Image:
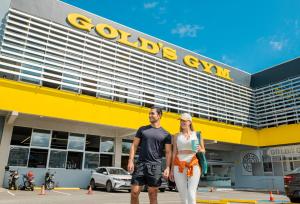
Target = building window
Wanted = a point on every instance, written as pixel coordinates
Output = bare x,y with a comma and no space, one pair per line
106,160
67,150
124,161
69,80
57,159
126,144
59,140
74,160
107,144
29,79
91,161
268,167
76,141
40,138
56,77
21,136
38,158
18,156
88,92
92,143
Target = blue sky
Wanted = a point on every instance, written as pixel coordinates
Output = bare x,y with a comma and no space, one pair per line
250,35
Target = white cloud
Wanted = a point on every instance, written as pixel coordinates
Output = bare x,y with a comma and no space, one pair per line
226,59
186,30
277,45
150,5
275,42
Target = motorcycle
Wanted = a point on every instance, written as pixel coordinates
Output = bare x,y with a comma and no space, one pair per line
12,180
49,181
28,181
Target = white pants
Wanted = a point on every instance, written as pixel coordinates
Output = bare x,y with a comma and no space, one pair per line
187,185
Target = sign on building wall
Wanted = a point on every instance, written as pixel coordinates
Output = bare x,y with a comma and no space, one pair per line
111,33
247,158
284,150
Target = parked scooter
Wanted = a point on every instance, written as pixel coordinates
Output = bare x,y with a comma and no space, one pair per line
28,181
12,179
49,181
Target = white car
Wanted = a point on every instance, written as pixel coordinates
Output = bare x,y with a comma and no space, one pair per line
111,178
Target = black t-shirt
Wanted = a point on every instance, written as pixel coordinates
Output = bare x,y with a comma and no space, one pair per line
152,142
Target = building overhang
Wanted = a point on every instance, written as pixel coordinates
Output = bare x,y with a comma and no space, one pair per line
37,100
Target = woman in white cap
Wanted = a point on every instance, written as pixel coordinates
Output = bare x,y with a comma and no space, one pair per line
185,169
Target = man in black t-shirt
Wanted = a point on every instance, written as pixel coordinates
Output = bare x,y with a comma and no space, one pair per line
152,139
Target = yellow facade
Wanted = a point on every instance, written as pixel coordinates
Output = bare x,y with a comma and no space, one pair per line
43,101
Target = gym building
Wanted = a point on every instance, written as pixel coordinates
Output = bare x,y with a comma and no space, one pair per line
75,87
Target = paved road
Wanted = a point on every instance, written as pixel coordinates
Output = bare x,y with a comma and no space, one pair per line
99,197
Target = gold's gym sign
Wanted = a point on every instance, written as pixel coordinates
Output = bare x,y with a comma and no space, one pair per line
109,32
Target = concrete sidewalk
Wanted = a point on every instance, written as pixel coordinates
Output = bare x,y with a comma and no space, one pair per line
123,197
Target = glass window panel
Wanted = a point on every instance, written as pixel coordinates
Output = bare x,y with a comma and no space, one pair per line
126,144
29,79
117,171
74,160
92,143
18,156
91,161
297,166
124,161
276,158
38,158
59,140
57,159
76,141
106,160
21,136
267,166
68,81
107,144
296,157
40,138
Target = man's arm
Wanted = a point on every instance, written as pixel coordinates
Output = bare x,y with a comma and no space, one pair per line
133,148
168,148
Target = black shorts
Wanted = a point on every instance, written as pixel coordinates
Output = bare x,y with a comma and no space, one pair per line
147,174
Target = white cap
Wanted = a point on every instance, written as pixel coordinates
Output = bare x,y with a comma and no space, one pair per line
186,116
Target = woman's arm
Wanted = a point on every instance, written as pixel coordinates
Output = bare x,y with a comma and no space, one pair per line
174,152
202,146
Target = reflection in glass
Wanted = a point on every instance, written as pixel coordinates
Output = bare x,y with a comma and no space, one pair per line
59,140
38,158
106,160
18,156
107,144
21,136
57,159
91,161
40,138
76,141
74,160
92,143
126,144
117,171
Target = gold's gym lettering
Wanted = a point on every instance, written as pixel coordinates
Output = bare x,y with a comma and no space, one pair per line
109,32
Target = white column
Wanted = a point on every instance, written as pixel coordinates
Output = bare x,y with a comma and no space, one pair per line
4,149
118,151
